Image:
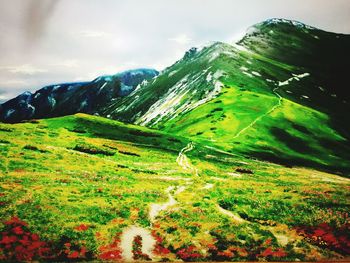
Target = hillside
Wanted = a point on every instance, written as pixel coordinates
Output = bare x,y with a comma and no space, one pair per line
236,152
322,54
253,100
69,98
82,187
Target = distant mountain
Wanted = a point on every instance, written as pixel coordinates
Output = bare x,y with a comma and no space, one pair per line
70,98
279,94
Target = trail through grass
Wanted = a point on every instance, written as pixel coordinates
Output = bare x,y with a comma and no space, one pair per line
148,241
279,103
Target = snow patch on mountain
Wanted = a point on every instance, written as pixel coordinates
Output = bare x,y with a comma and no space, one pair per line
187,94
295,77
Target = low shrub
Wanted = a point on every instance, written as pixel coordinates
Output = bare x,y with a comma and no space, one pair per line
244,171
92,149
129,153
34,148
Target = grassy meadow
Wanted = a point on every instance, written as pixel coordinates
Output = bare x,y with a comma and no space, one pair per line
71,185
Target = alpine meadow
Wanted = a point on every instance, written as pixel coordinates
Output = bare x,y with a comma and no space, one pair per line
236,152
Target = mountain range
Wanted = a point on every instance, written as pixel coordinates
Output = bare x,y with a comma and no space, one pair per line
70,98
236,152
279,94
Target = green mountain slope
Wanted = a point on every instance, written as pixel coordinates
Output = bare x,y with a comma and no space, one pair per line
254,100
322,54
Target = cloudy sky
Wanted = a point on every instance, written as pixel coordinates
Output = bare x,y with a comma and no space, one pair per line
52,41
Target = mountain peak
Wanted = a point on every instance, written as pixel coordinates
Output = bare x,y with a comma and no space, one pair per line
268,27
277,21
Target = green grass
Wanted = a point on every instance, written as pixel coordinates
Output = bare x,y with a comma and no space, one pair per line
292,134
58,190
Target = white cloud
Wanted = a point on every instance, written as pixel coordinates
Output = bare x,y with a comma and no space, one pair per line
107,70
159,66
94,34
237,36
25,69
68,63
181,39
13,82
104,38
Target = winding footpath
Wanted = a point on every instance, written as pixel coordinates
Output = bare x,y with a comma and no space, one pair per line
183,161
127,239
148,241
230,214
279,103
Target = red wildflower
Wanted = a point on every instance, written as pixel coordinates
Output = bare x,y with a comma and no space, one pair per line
319,232
212,247
81,227
111,255
35,237
74,254
111,251
35,245
18,244
18,230
329,238
83,251
15,221
279,253
188,253
268,241
160,250
8,239
267,252
24,240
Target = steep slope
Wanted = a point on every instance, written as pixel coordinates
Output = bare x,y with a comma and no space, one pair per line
70,98
251,102
322,54
174,91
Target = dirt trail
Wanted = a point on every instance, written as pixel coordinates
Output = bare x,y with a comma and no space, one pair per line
157,208
127,238
279,103
148,241
183,161
230,214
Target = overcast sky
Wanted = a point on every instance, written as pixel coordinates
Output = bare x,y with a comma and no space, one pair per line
51,41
